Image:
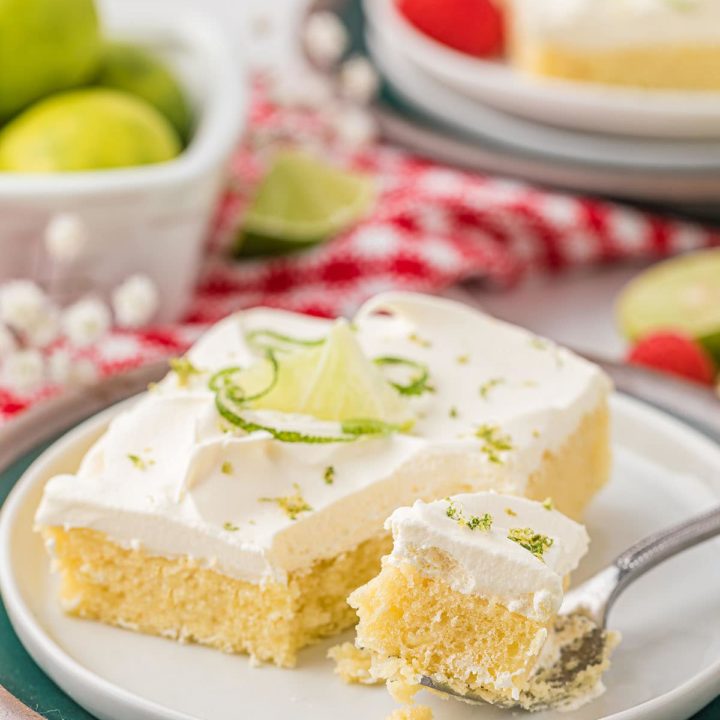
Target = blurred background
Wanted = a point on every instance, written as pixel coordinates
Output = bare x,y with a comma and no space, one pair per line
165,163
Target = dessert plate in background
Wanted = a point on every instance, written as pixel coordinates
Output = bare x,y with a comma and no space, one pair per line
581,106
485,123
667,667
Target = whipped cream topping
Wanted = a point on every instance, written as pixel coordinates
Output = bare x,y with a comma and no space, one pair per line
485,561
168,477
602,24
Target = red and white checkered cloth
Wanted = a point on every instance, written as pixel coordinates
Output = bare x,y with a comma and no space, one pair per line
432,226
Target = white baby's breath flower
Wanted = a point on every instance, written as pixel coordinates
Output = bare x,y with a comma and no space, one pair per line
135,301
65,237
86,321
358,80
354,127
325,38
84,372
65,370
23,371
59,367
300,89
22,305
46,330
8,342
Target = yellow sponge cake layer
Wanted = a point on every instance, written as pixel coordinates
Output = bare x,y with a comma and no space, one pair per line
677,67
177,598
460,640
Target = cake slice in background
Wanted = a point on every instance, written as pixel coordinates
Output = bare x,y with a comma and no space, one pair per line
469,597
671,44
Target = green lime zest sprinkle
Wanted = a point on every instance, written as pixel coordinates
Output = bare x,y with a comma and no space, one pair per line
230,527
422,342
532,541
489,385
474,522
184,370
548,503
368,426
418,384
494,442
139,462
539,343
510,512
463,359
453,412
267,339
226,468
291,505
329,475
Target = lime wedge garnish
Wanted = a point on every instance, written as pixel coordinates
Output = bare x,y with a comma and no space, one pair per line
333,381
300,202
682,293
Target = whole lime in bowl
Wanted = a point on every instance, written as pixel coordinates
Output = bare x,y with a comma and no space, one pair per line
45,46
140,72
89,129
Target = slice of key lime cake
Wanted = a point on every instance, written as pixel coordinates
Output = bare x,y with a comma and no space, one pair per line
240,501
469,595
652,44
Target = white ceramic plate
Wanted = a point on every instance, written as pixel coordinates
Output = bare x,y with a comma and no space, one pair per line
484,123
667,667
582,106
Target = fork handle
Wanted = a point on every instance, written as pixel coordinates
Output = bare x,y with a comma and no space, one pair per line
658,547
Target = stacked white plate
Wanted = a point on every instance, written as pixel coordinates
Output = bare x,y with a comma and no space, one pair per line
646,144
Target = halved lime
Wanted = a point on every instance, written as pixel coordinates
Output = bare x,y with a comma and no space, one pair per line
332,381
681,293
300,202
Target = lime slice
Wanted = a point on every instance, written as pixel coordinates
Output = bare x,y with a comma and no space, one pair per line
300,202
333,381
682,293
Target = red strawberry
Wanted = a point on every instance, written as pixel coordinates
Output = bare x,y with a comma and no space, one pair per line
474,27
676,353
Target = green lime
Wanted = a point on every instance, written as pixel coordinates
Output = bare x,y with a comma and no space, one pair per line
331,381
45,46
139,72
681,293
300,202
87,130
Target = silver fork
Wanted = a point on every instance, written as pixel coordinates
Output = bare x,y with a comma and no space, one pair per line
588,607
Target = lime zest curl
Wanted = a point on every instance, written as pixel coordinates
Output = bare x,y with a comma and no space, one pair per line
352,429
258,339
223,380
418,384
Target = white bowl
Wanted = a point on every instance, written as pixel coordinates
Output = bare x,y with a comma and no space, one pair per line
150,219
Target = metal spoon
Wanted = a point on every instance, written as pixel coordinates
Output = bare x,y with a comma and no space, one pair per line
583,640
